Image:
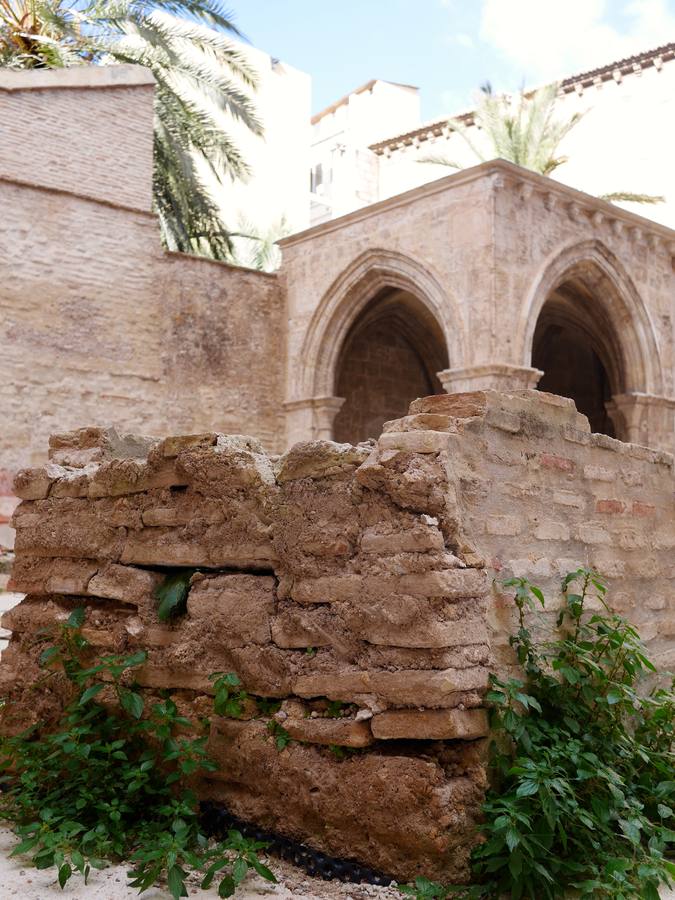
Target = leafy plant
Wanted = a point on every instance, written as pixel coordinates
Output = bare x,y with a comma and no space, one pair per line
334,709
424,889
108,782
204,84
267,706
584,791
228,702
172,594
281,737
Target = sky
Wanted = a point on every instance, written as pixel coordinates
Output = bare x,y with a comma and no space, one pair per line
448,48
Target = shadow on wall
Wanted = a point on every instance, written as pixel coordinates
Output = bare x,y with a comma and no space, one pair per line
390,357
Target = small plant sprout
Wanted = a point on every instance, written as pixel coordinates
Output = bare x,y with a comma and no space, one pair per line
228,700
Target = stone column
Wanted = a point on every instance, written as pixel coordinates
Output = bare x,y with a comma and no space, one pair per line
325,410
311,419
646,419
491,376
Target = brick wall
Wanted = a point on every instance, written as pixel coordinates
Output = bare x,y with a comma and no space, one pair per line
84,130
381,373
539,496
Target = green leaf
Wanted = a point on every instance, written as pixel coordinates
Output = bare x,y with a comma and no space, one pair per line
176,883
64,874
239,870
90,693
24,846
48,655
262,869
172,594
132,703
527,789
227,887
76,618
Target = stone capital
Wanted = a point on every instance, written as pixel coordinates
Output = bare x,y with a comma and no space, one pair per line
311,419
647,419
495,376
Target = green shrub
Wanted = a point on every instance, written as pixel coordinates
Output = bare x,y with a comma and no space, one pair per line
583,765
108,783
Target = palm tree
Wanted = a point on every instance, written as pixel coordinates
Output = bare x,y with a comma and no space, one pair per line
255,247
203,80
526,132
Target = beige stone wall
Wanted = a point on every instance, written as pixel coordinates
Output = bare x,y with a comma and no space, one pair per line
315,582
483,250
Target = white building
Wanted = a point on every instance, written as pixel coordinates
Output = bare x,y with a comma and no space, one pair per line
624,142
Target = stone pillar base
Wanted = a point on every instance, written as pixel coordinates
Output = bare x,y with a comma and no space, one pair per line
646,419
492,376
311,419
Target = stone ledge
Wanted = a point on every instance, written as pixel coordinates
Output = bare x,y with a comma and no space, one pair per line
76,77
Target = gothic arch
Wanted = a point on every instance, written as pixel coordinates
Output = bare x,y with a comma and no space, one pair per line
585,326
371,273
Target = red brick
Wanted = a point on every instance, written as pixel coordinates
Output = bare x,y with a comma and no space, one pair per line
642,510
610,507
549,461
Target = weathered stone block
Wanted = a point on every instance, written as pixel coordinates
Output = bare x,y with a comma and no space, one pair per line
236,609
433,689
450,584
431,725
125,583
43,575
342,732
319,459
236,544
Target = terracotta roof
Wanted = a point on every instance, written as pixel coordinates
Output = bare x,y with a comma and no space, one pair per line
368,86
632,65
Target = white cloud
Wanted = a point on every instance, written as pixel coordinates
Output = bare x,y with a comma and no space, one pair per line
546,39
463,39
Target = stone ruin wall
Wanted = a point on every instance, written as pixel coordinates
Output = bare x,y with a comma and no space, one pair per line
365,574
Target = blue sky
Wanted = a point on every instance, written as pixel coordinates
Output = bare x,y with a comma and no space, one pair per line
449,47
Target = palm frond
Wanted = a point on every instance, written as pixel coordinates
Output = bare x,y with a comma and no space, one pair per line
439,161
627,197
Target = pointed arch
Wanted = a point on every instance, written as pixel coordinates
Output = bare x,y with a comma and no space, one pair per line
610,293
371,273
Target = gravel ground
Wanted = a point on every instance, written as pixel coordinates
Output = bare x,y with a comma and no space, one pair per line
25,883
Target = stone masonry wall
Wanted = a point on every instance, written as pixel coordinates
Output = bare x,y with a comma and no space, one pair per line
315,583
538,496
365,574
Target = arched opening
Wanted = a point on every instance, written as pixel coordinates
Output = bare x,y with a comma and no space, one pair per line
577,346
389,357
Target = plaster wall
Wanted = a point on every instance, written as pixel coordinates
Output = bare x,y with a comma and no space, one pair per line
622,142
